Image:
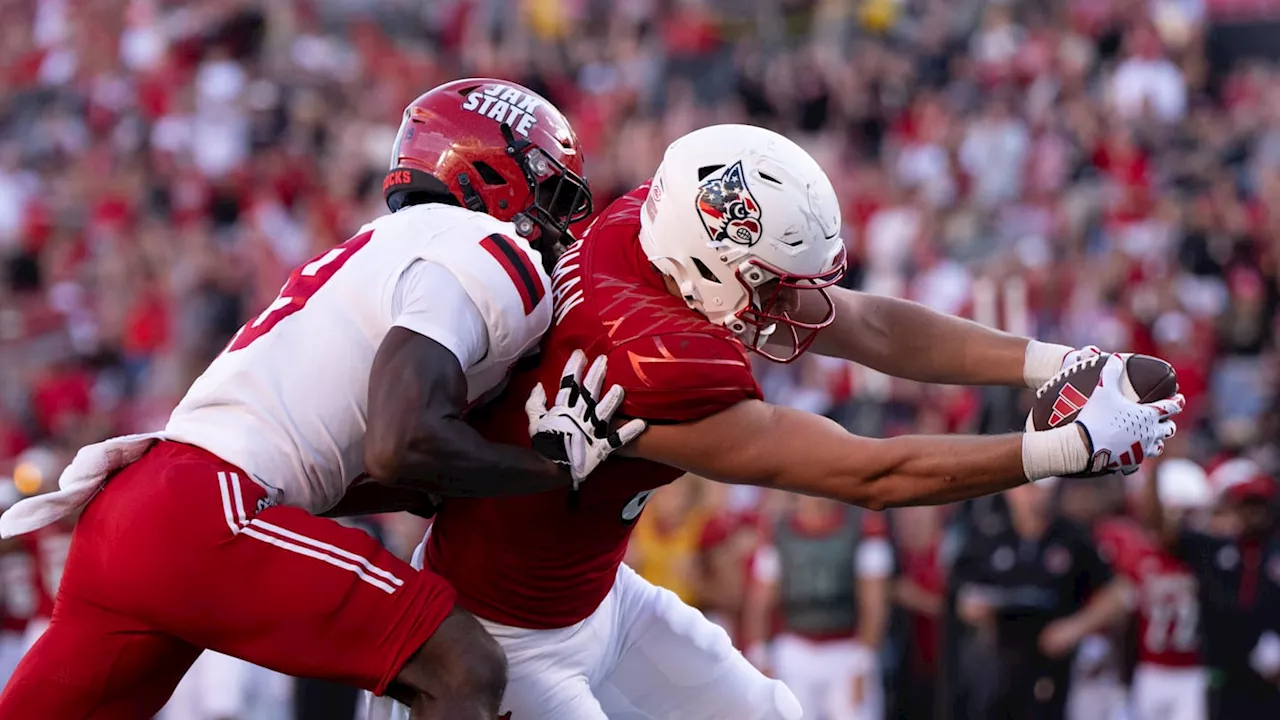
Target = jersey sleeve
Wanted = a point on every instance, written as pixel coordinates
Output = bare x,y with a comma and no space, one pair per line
874,559
681,377
430,301
875,549
505,280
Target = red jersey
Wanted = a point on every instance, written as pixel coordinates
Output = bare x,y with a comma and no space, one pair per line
1167,608
546,560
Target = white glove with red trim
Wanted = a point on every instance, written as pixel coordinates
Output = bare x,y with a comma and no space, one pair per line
1121,432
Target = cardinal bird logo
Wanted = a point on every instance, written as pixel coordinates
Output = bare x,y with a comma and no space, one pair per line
728,210
505,716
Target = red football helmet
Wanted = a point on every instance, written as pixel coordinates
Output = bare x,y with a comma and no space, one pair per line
496,147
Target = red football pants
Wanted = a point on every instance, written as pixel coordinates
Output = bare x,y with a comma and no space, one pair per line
180,552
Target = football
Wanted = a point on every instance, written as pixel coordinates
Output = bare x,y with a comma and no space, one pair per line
1059,401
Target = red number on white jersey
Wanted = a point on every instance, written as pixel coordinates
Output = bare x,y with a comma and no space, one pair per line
303,282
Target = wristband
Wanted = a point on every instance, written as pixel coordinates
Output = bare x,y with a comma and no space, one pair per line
1051,453
1042,361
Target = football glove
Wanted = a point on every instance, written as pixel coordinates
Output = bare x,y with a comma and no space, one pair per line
1121,432
575,433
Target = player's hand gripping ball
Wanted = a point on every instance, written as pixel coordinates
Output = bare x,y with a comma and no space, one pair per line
1139,394
575,433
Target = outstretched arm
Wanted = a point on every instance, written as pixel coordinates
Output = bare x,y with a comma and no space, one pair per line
755,443
759,444
908,340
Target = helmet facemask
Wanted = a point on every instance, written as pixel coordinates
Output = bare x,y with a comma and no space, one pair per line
559,197
773,296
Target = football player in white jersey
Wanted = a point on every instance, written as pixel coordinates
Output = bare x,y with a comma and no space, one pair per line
208,535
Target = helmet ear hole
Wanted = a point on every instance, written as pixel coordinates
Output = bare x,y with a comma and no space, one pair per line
705,271
488,174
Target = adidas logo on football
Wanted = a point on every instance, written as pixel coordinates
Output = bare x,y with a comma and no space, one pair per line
1070,401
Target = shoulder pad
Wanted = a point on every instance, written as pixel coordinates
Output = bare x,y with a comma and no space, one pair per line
502,275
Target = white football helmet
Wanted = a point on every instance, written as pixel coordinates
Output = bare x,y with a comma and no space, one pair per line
1183,485
739,217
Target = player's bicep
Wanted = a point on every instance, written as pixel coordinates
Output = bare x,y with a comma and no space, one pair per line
430,301
415,385
755,443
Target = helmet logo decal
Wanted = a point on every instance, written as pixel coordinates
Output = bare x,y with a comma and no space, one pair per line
505,105
728,210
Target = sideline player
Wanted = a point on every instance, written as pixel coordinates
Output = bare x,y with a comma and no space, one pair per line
207,534
823,577
734,245
1235,560
1169,681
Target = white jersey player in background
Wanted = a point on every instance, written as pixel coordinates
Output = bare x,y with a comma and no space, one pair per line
206,535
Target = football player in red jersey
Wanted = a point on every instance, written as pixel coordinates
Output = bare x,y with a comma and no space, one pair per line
1234,558
733,247
208,535
1170,681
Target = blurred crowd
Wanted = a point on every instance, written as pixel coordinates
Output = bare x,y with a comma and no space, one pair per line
1084,171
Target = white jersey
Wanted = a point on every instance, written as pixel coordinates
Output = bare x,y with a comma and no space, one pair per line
287,400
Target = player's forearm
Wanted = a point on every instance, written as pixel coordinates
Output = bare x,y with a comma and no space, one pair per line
1105,610
873,611
416,436
756,443
374,498
936,469
454,460
932,470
